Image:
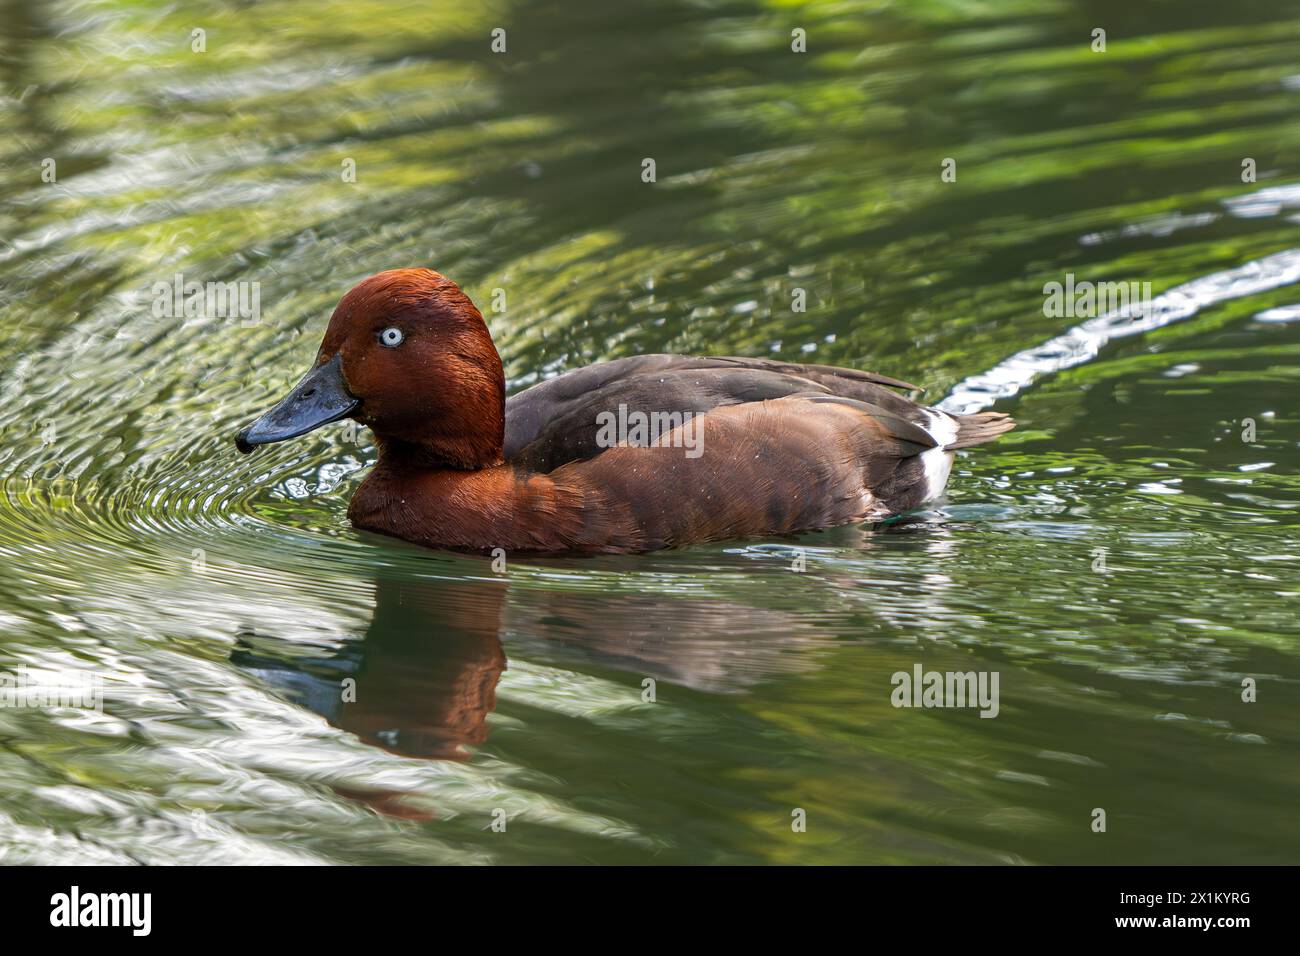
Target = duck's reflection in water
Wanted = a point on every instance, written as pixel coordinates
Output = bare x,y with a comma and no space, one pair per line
424,678
422,682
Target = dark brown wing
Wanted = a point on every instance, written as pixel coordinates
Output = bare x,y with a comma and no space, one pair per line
802,461
556,421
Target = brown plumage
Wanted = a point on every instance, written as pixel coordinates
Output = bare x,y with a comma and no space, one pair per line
747,446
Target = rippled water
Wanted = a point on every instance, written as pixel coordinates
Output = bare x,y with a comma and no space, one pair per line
224,601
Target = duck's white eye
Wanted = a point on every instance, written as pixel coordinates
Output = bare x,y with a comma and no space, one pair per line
391,337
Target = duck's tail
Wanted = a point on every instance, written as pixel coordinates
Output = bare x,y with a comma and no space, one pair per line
978,428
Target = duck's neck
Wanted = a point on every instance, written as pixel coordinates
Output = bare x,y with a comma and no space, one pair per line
471,454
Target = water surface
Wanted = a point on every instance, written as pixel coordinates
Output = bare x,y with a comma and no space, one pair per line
225,603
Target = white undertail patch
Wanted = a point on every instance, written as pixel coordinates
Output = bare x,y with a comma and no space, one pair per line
943,429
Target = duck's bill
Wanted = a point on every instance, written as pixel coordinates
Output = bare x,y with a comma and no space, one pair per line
320,398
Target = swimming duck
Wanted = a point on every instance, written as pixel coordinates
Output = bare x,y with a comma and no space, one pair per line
746,446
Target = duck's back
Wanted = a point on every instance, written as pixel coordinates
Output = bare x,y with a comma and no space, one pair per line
784,447
555,422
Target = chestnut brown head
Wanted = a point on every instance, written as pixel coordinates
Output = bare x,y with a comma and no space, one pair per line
407,354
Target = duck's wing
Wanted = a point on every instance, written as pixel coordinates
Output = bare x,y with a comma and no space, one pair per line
802,461
557,421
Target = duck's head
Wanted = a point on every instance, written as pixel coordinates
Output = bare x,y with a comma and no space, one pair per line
407,354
